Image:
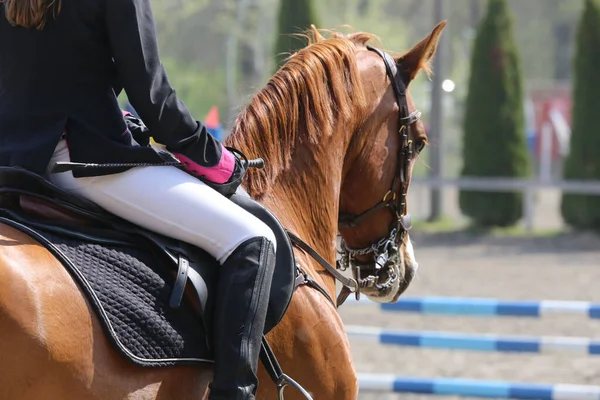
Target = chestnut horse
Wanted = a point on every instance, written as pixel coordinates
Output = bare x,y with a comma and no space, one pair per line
332,133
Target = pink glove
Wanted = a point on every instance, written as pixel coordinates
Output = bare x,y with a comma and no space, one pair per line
220,173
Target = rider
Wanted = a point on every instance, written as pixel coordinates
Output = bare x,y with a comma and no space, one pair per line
62,65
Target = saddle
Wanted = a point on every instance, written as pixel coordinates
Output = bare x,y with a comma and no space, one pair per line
152,294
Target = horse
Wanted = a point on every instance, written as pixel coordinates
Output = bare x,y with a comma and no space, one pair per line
339,133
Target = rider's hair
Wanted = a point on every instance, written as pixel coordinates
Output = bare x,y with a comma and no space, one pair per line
30,13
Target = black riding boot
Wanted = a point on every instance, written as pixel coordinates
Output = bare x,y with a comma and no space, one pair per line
241,308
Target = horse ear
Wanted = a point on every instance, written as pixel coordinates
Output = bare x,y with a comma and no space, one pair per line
420,55
316,34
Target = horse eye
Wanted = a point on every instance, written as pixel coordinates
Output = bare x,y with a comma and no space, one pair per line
420,145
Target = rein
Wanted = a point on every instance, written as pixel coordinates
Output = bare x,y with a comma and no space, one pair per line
349,283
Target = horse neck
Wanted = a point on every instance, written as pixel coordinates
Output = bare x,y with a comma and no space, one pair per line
305,198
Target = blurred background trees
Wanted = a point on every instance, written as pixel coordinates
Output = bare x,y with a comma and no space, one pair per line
295,17
583,161
195,37
494,122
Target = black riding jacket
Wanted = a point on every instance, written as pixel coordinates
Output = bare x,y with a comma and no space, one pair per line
66,78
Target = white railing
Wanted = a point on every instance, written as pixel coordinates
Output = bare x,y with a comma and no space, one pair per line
528,187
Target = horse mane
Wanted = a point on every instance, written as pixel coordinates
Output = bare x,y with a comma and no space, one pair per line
300,104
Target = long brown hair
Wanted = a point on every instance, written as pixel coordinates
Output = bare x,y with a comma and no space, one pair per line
30,13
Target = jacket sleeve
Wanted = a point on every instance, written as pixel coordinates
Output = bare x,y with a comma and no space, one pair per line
132,35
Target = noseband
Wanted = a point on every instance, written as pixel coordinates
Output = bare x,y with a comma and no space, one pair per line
395,198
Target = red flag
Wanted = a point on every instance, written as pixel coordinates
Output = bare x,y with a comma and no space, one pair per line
212,118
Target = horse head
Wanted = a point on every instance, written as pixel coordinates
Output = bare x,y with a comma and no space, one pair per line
340,133
374,217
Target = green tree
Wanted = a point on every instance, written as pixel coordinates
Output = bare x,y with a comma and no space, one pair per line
583,161
295,16
494,142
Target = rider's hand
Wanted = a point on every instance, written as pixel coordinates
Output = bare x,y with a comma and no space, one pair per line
211,162
218,173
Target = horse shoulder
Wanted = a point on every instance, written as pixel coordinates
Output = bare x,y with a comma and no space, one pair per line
313,349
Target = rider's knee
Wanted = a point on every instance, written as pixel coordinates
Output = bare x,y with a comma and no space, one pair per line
252,228
260,229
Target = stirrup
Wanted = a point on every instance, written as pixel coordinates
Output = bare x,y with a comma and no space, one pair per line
285,380
274,369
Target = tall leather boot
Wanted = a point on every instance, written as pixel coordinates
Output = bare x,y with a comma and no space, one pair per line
241,308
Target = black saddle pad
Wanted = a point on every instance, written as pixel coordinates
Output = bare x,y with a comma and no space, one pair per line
129,288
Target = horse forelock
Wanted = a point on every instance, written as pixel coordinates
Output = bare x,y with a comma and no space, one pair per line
302,103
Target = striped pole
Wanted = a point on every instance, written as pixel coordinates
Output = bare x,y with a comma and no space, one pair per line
462,341
475,388
483,307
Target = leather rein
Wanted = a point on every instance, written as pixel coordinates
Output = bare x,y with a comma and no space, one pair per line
394,199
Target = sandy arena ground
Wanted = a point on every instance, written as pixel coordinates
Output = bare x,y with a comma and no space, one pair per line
566,267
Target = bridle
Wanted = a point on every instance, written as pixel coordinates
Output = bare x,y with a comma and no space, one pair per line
394,199
385,251
405,152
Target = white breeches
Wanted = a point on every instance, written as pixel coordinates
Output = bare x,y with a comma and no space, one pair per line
170,202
